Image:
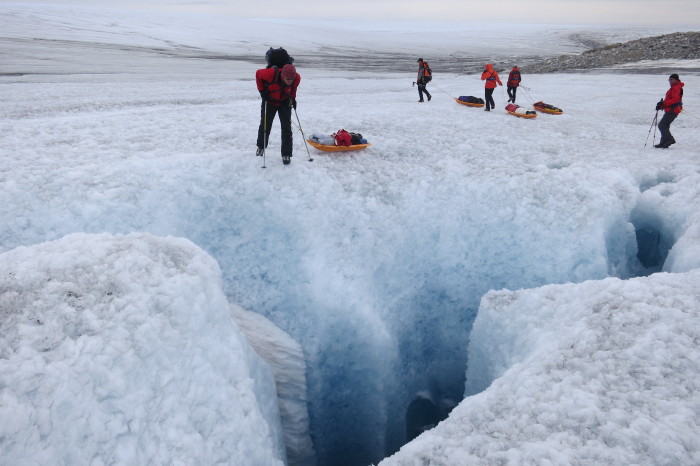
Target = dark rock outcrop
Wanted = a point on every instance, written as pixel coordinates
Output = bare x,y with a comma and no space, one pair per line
676,46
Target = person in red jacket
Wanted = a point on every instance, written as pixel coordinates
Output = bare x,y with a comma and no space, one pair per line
278,89
672,105
491,77
513,83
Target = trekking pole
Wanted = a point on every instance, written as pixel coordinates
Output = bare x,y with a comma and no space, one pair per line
303,135
653,125
265,133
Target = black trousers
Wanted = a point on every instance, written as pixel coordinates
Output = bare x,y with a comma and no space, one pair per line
285,113
665,127
488,97
421,90
511,93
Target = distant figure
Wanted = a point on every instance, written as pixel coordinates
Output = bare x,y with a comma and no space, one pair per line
513,83
424,77
278,89
672,105
491,77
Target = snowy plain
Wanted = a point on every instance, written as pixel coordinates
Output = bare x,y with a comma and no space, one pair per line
136,224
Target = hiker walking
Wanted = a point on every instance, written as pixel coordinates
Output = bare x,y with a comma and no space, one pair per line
491,77
672,105
513,83
278,89
424,77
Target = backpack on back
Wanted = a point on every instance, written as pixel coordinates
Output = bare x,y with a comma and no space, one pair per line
278,57
428,74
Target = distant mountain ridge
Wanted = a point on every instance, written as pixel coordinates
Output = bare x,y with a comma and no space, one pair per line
675,46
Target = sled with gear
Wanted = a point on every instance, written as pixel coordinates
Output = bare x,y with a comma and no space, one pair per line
340,141
470,101
546,108
519,111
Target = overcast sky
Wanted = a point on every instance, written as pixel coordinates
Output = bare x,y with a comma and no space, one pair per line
630,12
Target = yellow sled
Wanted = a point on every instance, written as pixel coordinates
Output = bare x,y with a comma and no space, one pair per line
544,108
522,115
468,104
327,148
511,108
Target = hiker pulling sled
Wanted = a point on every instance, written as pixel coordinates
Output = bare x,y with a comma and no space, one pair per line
277,85
672,105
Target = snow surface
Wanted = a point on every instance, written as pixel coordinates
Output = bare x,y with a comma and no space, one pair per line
376,263
122,350
604,372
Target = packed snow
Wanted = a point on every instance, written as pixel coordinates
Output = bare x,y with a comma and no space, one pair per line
122,349
603,372
548,266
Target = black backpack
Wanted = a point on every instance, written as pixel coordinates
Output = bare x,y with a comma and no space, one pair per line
278,57
355,138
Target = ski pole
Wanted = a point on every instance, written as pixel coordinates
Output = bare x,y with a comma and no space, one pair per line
303,135
653,125
265,130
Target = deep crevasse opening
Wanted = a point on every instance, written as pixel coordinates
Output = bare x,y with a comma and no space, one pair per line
384,315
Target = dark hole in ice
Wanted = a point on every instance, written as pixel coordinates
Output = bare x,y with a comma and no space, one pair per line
648,244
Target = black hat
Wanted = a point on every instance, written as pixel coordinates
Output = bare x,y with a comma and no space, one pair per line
674,76
420,59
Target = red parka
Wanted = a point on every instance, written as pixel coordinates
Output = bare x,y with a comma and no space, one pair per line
491,77
673,102
514,77
270,79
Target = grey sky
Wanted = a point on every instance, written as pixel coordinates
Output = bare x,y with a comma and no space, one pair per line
629,12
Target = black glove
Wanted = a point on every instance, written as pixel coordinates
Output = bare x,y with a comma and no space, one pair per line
660,105
265,95
293,103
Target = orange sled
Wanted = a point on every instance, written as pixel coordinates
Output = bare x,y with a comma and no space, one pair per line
468,104
327,148
518,111
545,108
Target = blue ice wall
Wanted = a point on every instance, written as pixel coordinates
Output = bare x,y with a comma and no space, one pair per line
376,268
380,284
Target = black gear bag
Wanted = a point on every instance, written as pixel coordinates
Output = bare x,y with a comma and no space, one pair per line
278,57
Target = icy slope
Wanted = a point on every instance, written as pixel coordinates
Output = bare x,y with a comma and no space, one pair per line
122,349
604,372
